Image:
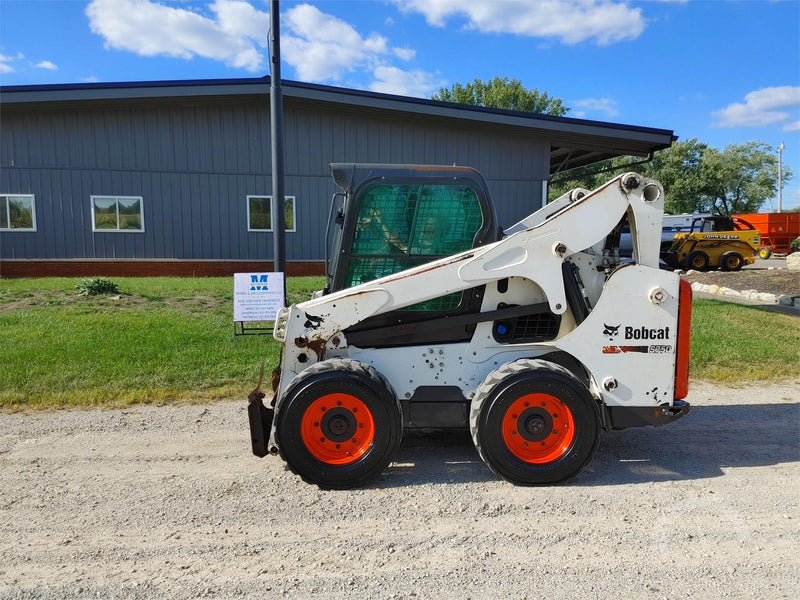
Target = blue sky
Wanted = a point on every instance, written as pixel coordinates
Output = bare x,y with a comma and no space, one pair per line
723,71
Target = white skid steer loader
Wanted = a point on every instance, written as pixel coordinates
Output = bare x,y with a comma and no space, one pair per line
535,338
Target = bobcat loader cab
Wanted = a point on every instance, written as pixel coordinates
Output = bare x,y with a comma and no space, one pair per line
534,338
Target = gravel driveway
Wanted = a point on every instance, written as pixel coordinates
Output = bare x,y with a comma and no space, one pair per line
168,502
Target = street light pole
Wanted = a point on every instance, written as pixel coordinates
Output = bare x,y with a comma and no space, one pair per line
780,176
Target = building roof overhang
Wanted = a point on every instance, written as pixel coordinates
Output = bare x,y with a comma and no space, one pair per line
574,142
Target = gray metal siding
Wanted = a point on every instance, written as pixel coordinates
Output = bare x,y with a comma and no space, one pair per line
195,164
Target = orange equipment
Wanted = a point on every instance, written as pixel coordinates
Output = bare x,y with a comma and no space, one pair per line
777,231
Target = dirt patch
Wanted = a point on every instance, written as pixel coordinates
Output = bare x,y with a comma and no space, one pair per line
199,304
192,305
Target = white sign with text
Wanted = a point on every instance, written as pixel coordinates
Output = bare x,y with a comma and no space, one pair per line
257,296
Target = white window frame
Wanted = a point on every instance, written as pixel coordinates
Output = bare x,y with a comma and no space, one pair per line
116,198
269,197
7,208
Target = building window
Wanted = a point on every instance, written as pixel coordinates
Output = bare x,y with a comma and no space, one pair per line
17,213
117,213
259,215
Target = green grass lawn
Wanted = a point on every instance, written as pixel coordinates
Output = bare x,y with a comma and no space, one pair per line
737,344
161,339
172,339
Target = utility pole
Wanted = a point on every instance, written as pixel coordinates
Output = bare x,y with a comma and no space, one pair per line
780,176
276,136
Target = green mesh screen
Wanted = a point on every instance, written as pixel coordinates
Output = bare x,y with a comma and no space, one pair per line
400,226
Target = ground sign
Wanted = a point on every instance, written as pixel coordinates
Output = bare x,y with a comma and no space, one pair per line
256,299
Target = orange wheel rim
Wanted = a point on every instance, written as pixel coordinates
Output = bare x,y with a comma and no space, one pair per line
337,429
538,428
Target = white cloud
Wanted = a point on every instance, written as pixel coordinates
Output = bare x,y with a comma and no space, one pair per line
795,126
234,35
319,47
391,80
571,21
46,64
6,60
606,106
323,48
404,53
767,106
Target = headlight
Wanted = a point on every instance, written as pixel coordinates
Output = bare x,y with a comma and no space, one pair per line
281,319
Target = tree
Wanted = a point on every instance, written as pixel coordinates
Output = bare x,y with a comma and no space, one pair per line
503,93
740,178
697,177
679,169
592,176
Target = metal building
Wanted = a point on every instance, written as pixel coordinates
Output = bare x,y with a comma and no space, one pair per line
174,177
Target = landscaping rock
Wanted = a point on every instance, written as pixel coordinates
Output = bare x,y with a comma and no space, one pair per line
778,281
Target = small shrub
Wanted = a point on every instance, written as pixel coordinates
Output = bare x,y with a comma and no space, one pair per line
96,286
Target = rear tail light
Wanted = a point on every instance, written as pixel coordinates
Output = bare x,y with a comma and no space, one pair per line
684,340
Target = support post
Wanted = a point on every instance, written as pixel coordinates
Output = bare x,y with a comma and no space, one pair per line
276,136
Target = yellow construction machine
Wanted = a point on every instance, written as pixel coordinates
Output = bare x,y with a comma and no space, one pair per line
715,242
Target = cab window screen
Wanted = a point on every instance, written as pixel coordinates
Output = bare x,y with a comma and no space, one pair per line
400,226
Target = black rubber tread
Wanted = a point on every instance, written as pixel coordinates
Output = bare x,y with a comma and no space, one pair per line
723,261
342,477
517,370
690,260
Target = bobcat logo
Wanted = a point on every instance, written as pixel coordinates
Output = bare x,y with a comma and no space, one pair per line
312,322
611,331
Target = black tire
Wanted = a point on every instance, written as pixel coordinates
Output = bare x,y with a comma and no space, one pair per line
731,261
697,260
338,425
518,414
